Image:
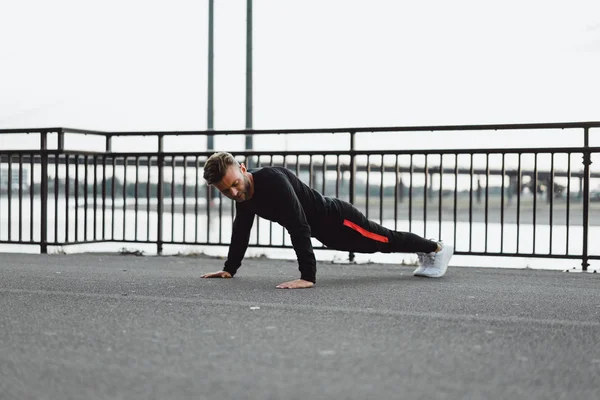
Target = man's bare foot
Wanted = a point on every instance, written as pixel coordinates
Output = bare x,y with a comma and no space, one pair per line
297,284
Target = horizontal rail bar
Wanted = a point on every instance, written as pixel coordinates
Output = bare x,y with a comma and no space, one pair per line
416,128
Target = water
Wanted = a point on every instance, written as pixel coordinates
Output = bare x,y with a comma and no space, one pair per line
189,229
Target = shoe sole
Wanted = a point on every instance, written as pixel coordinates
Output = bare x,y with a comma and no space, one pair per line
421,275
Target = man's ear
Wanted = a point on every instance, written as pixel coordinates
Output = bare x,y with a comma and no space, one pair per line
243,168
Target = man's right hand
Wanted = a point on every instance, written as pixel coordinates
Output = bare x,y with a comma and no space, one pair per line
218,274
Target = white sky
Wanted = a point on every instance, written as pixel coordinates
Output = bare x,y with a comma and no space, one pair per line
142,65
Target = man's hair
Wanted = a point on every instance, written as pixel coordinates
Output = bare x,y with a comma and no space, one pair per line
216,166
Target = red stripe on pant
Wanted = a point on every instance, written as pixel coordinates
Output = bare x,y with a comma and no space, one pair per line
365,232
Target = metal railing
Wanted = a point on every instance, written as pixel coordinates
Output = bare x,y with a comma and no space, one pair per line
520,201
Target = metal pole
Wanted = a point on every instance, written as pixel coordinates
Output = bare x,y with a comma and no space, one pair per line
587,161
210,139
210,116
249,144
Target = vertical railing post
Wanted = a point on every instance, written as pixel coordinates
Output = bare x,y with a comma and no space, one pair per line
60,151
108,149
160,195
587,161
61,140
44,193
352,181
210,146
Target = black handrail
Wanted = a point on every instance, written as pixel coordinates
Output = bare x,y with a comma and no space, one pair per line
424,203
415,128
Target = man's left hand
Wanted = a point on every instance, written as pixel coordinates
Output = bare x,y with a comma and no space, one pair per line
297,284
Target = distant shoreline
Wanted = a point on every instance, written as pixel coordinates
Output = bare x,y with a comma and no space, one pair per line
462,214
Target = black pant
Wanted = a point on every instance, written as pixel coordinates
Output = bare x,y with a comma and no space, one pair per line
347,229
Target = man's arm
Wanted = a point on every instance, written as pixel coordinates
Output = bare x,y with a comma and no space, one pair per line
240,236
293,218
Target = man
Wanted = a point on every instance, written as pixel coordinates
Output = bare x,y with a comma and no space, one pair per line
276,194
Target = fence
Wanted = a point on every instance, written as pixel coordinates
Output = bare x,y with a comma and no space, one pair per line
523,202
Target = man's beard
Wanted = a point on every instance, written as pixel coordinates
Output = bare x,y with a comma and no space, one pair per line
246,192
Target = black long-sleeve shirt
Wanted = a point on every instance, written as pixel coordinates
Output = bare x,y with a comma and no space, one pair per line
280,196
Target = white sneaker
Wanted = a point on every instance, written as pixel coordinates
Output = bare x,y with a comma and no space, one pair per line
434,265
425,262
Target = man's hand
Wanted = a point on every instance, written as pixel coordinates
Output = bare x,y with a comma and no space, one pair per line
218,274
297,284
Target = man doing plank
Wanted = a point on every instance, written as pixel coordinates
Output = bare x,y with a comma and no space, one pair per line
276,194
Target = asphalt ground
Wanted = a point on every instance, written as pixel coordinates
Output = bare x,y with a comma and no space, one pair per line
125,327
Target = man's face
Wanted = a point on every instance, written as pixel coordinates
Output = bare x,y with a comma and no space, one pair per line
235,184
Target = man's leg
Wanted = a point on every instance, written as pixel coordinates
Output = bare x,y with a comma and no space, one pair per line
352,231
